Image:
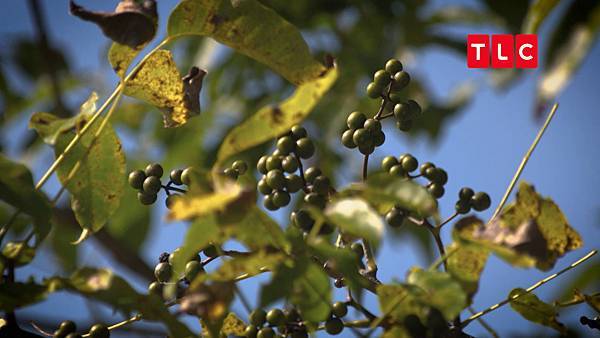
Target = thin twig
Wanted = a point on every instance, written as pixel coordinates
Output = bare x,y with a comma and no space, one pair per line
484,324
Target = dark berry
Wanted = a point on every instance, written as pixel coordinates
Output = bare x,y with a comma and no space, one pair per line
292,316
315,200
395,97
274,162
366,149
302,219
266,332
151,185
170,201
362,137
395,217
240,166
261,165
388,162
99,331
347,139
425,166
250,331
263,187
465,194
436,189
414,108
404,125
136,179
298,132
481,201
67,327
289,164
433,174
286,145
145,198
339,283
276,179
275,317
356,120
305,148
311,173
210,251
163,257
162,272
293,183
339,309
154,169
378,138
73,335
334,326
372,125
321,185
268,202
175,176
462,206
413,325
281,198
409,163
258,317
401,111
231,173
393,66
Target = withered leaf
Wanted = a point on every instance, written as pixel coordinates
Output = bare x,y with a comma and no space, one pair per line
132,23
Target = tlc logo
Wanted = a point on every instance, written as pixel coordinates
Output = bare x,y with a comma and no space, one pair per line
507,51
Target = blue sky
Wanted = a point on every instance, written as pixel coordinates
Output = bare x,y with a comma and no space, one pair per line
481,148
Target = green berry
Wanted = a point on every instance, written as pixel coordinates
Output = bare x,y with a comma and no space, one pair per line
99,331
347,139
395,217
136,179
409,163
442,176
155,288
401,80
481,201
436,189
276,179
266,332
162,272
432,174
268,202
67,327
154,169
397,171
366,149
298,132
339,283
404,125
173,256
465,194
462,206
281,198
311,173
437,175
275,317
210,251
151,185
258,317
423,168
261,165
378,138
302,219
274,162
250,331
401,111
240,166
374,90
289,164
293,183
382,78
315,200
170,201
362,137
372,125
231,173
356,120
395,97
321,185
175,176
286,145
305,148
263,187
145,198
339,309
393,66
186,175
414,108
334,326
388,162
192,269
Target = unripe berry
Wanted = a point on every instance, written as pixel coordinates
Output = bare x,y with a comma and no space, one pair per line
311,173
251,331
286,145
210,251
67,327
261,165
276,179
315,200
462,206
356,120
151,185
321,185
136,179
145,198
186,175
175,176
372,125
362,137
401,111
339,309
388,162
465,194
397,171
192,269
481,201
281,198
425,166
347,139
381,78
409,163
374,90
154,169
99,331
298,132
436,189
293,183
266,332
289,164
263,187
273,162
240,166
393,66
162,272
275,317
334,326
231,173
404,125
395,217
258,317
302,219
155,288
401,80
268,202
305,148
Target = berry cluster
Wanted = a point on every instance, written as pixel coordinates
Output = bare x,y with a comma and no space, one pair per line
468,199
238,168
406,164
317,195
264,325
274,184
148,182
67,330
364,133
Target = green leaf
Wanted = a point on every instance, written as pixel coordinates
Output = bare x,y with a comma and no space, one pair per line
17,189
159,83
232,325
441,291
131,222
19,294
273,120
102,285
533,309
120,57
355,217
251,29
250,265
536,14
465,265
397,301
97,186
257,230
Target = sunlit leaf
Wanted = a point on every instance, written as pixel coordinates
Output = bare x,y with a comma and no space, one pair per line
232,325
196,205
399,300
249,265
441,291
273,120
159,83
252,29
465,265
355,217
537,13
533,309
257,230
120,57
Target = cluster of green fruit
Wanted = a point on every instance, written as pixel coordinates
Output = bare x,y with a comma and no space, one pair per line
148,183
275,184
468,199
237,168
267,325
364,133
163,271
67,330
317,196
406,164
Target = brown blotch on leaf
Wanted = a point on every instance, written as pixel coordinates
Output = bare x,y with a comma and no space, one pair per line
192,84
132,23
276,115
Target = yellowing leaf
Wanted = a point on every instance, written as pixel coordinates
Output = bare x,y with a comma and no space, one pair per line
121,56
196,205
272,121
252,29
466,264
158,82
232,325
533,309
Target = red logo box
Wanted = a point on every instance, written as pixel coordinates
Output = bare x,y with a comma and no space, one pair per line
478,51
504,51
526,54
